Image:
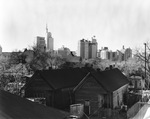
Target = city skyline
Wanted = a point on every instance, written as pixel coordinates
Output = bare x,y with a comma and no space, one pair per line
114,23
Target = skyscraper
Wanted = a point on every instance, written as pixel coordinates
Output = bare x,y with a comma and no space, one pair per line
104,53
87,49
81,48
0,49
41,43
128,53
124,54
50,40
93,48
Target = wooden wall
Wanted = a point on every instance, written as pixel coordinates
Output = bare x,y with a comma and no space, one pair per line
92,91
118,96
63,99
36,88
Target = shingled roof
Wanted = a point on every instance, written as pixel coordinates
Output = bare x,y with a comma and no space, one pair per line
15,107
111,80
64,78
60,78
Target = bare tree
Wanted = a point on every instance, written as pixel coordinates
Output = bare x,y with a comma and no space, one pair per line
143,56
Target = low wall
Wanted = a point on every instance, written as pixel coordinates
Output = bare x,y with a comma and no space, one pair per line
134,110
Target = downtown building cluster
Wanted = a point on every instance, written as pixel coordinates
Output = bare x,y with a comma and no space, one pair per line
86,49
41,44
120,55
89,50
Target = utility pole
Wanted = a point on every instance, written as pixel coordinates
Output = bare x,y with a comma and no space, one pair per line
145,62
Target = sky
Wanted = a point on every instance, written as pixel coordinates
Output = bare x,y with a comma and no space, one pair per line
114,22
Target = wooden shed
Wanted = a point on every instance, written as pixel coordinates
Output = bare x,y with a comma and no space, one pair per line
101,89
64,87
55,86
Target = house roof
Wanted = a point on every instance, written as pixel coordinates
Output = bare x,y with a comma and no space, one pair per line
60,78
111,80
103,90
15,107
64,78
34,80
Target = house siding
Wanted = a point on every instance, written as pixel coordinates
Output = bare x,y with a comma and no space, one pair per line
118,96
92,91
63,98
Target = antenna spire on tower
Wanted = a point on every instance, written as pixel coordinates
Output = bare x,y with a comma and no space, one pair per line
46,28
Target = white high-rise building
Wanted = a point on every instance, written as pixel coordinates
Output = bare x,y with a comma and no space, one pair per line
104,53
50,40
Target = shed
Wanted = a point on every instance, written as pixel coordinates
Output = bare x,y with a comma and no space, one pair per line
102,89
55,86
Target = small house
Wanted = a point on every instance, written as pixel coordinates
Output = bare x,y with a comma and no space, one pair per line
55,86
64,87
116,84
101,89
137,82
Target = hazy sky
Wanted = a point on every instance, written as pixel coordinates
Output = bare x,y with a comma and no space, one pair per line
113,22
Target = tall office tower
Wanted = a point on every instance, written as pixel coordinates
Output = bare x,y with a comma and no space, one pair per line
50,40
124,54
94,48
104,53
86,49
120,56
90,49
99,53
114,56
0,49
110,55
128,53
83,49
41,43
